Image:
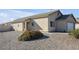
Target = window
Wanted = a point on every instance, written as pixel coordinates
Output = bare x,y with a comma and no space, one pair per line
51,23
18,25
32,24
24,25
58,14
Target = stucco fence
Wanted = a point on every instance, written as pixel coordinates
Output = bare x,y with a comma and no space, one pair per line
4,28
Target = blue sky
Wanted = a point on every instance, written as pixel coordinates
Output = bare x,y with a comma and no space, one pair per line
7,15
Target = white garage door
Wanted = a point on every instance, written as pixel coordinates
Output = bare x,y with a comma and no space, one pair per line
70,26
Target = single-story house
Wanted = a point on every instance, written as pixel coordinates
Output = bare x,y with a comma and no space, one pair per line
50,21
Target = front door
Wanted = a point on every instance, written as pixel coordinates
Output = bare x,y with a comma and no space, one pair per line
25,26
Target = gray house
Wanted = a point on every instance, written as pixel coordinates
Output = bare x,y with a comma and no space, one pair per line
51,21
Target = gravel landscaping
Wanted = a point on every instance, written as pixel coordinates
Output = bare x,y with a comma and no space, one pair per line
53,41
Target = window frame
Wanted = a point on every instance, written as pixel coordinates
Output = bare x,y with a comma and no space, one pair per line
32,23
51,24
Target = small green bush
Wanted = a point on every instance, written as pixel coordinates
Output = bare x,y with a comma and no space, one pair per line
30,35
74,33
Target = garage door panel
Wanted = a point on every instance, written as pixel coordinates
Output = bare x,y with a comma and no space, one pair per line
70,26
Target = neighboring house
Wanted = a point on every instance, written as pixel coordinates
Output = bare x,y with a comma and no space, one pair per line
6,27
77,24
51,21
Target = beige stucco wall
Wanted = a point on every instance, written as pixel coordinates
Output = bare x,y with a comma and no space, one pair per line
18,26
60,26
76,26
40,24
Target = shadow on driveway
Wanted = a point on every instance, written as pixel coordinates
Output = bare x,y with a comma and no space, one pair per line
43,38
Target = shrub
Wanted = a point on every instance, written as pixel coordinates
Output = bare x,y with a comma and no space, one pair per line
75,33
30,35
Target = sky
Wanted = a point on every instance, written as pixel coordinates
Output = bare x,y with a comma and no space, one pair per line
7,15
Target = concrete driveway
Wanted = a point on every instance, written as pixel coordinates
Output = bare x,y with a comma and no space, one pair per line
54,41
